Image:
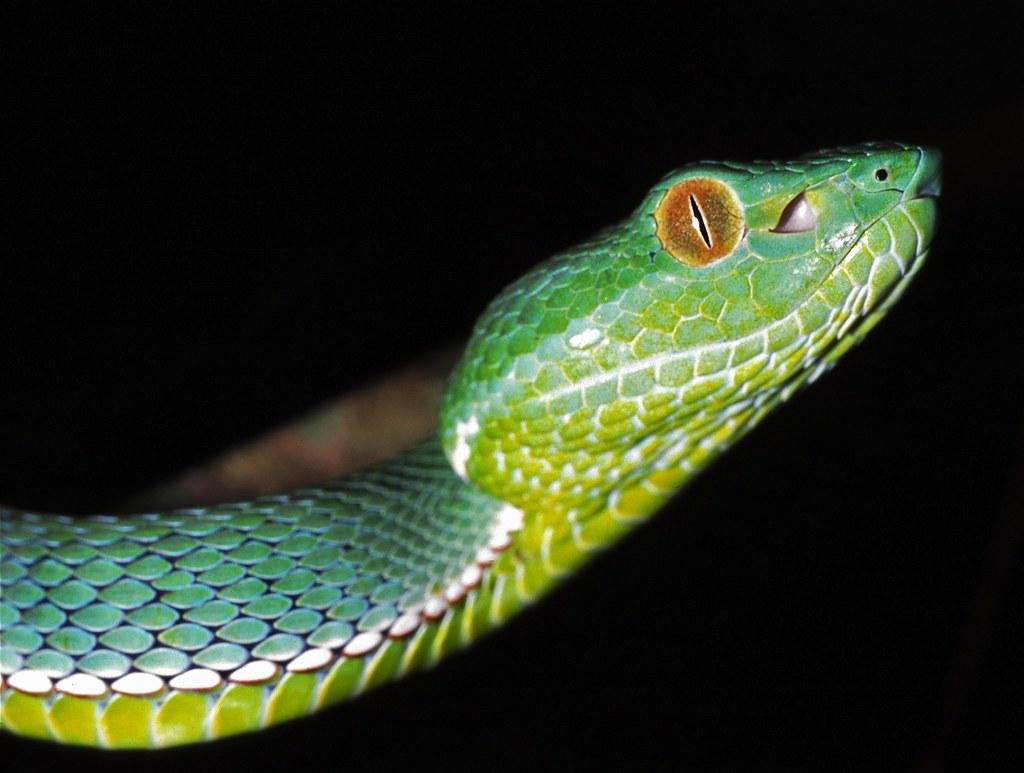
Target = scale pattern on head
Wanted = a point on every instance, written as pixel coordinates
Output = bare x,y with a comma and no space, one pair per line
606,375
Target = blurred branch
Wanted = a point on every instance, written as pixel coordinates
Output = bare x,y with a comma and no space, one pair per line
335,440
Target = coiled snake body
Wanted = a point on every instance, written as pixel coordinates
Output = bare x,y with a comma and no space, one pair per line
591,391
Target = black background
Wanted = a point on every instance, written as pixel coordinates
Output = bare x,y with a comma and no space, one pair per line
223,215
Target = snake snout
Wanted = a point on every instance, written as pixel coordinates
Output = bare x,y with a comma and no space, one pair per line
927,181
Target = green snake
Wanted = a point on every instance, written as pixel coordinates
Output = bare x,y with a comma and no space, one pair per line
592,389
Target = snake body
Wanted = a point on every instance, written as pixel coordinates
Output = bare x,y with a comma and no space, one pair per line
591,391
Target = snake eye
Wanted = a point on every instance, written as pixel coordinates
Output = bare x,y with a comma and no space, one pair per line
699,221
797,217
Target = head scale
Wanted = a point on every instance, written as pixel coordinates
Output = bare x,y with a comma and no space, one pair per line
607,375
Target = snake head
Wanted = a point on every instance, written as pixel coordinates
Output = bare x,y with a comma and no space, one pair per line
608,374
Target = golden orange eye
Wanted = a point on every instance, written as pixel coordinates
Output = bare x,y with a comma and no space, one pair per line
699,221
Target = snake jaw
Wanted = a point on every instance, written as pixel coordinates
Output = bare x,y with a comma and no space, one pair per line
897,243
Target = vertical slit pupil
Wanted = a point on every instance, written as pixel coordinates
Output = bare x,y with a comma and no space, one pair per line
698,221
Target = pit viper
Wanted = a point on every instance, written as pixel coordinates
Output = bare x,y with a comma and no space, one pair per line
591,390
